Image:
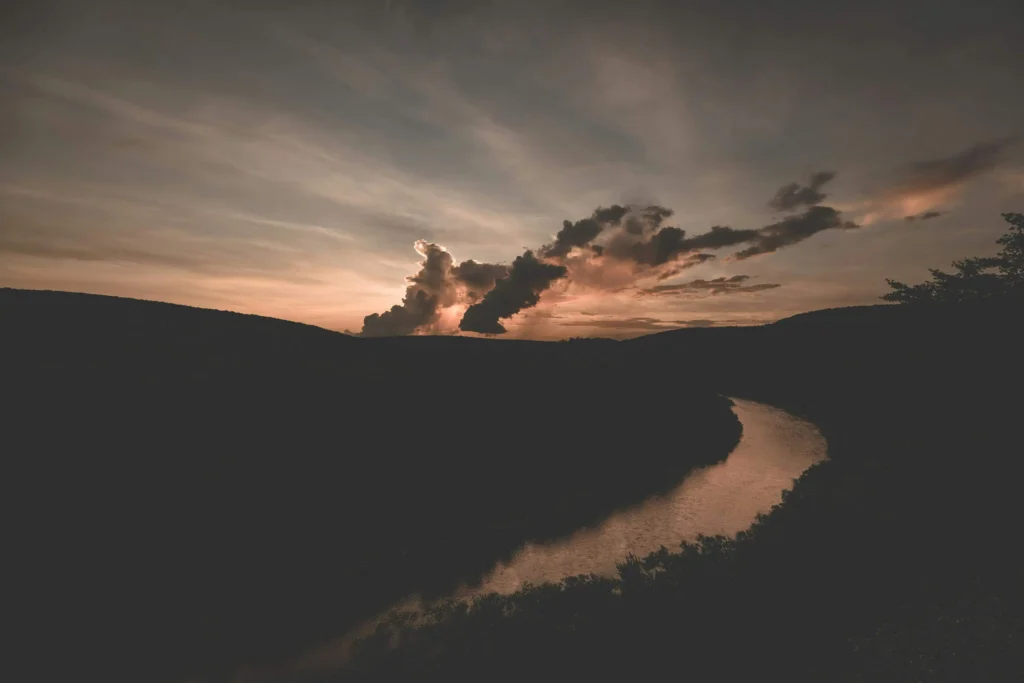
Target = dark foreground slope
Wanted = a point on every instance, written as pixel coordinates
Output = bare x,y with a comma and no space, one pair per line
198,491
892,561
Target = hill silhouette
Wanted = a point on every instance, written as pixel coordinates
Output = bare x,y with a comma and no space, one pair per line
891,561
204,491
205,496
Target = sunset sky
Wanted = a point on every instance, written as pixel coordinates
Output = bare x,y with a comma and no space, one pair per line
284,158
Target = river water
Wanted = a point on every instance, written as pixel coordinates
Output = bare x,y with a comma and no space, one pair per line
726,498
775,448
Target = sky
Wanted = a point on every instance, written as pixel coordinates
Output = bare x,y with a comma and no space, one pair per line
329,161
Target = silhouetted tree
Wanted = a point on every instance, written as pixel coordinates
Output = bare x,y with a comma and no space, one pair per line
976,277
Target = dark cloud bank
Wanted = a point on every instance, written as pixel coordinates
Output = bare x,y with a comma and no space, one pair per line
794,195
611,238
438,285
527,279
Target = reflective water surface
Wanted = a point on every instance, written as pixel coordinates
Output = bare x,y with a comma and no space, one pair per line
775,449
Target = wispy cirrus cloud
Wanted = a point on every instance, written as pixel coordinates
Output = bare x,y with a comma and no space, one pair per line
943,173
639,324
324,141
736,284
923,189
626,325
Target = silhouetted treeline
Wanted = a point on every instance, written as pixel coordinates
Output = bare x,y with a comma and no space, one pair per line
891,561
976,278
200,491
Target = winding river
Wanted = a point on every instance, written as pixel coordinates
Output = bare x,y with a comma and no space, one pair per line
775,449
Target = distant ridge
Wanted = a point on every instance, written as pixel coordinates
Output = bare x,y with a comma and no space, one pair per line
228,490
11,297
114,306
85,314
39,306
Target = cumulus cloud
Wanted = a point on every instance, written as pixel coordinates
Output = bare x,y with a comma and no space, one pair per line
478,278
689,261
655,215
628,253
610,250
438,285
793,229
571,235
634,221
662,247
792,196
720,237
611,215
582,232
428,290
669,244
719,285
527,279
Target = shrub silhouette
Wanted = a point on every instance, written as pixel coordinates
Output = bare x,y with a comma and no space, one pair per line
975,278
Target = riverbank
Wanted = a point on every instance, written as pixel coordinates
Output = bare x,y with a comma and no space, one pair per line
893,558
210,491
724,498
892,561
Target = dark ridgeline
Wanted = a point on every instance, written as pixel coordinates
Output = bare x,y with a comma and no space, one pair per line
200,492
894,560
